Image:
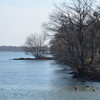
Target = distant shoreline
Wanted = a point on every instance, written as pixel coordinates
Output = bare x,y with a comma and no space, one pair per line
11,49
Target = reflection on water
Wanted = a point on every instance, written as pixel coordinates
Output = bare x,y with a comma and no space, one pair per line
41,80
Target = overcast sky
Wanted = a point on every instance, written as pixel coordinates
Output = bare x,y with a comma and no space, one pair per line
20,18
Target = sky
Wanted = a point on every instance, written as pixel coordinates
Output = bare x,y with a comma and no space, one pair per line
20,18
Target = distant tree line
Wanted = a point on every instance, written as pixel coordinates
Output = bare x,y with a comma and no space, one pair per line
11,48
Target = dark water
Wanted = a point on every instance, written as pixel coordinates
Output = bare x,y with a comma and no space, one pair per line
40,80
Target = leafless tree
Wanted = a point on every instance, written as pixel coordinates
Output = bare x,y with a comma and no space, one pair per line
34,45
76,34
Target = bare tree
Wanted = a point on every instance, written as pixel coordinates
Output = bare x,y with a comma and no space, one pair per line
34,45
76,35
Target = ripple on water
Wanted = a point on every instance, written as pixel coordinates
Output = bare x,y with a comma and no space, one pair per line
40,80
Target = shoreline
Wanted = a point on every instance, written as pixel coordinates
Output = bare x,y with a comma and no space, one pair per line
88,76
43,58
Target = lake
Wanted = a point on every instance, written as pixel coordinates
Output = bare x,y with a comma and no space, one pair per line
40,80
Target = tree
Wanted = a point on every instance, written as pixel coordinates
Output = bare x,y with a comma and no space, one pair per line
34,45
76,35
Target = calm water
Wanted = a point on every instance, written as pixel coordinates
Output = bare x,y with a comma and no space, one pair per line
40,80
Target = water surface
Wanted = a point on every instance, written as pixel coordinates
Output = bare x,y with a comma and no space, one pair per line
40,80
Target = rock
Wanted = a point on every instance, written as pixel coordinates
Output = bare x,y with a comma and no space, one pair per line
75,88
72,73
87,86
94,90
